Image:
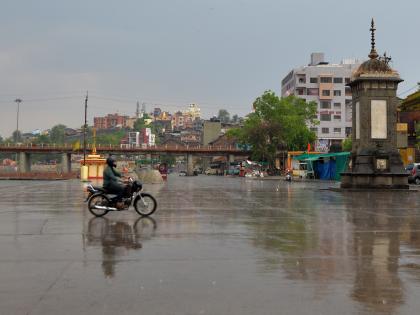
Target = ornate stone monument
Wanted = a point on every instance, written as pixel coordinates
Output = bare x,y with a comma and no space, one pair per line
375,162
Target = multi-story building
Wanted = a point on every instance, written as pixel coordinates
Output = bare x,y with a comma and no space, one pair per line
163,116
139,138
410,115
325,84
177,121
110,121
211,131
188,119
191,137
193,111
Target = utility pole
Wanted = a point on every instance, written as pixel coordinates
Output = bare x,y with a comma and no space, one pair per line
84,130
17,101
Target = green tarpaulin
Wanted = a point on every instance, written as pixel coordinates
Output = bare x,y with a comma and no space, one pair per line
340,158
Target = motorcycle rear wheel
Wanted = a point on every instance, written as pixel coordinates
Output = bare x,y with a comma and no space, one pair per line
146,205
98,200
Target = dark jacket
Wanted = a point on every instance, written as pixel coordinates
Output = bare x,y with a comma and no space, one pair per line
111,176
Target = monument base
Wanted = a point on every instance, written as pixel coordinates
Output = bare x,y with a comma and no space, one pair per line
376,168
374,181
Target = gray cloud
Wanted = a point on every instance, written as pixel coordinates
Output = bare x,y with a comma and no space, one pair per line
221,54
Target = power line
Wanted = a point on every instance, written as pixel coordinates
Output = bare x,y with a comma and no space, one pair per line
52,99
409,90
34,100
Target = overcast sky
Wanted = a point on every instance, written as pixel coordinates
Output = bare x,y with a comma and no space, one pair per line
168,53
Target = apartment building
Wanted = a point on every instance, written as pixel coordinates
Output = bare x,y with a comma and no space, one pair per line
188,119
325,84
110,121
139,138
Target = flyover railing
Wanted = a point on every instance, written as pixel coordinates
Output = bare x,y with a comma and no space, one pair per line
118,148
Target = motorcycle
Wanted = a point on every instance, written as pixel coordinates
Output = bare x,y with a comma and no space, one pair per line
288,176
100,202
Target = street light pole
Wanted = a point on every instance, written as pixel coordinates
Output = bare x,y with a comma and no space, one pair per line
84,131
17,101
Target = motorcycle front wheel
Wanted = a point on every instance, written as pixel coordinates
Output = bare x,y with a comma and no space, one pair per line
145,205
96,201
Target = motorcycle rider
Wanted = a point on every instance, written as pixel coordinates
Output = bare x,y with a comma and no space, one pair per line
288,175
112,181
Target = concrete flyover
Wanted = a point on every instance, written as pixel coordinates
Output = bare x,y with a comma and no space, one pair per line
25,151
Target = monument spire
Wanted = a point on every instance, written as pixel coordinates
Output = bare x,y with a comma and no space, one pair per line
373,54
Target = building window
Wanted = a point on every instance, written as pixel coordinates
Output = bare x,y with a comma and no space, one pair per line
325,105
337,105
325,117
338,80
302,80
337,92
347,80
348,91
313,80
300,91
326,92
337,130
337,117
348,131
314,129
325,130
312,91
326,80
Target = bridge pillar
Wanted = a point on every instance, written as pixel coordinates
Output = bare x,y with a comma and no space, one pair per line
231,158
190,165
65,163
24,162
205,163
149,158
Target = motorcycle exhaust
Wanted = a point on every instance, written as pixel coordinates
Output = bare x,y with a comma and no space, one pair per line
105,208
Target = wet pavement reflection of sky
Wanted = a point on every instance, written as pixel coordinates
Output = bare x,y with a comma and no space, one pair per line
214,246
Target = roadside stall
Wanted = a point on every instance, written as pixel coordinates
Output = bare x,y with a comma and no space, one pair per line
327,166
255,169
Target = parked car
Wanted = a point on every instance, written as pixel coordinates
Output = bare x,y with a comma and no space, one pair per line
413,171
211,171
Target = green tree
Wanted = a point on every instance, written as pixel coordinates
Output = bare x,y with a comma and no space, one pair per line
140,123
223,116
277,123
1,140
347,144
113,138
57,134
156,128
42,139
235,119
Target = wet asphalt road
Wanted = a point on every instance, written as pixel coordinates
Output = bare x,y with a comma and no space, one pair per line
215,246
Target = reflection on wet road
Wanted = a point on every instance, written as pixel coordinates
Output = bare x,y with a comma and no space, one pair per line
215,246
117,237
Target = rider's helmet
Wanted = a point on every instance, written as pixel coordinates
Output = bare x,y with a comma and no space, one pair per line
111,161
